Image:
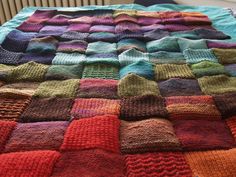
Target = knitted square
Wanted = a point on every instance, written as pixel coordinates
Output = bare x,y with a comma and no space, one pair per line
66,89
134,85
36,136
135,136
122,11
152,27
30,27
230,69
50,30
101,47
31,163
203,134
85,19
226,103
204,20
153,14
169,44
225,56
173,20
127,27
47,109
192,14
155,34
98,88
11,107
30,71
167,71
211,34
148,20
5,132
163,57
42,58
217,84
205,163
231,122
92,162
63,72
157,164
100,132
185,34
192,107
5,71
103,58
176,27
69,58
73,35
82,27
41,16
191,44
169,14
142,107
94,107
8,57
102,28
59,19
197,55
221,45
125,18
131,35
102,36
102,71
126,44
140,68
72,46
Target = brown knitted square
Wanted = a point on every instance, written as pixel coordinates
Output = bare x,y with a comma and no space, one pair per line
47,109
148,136
142,107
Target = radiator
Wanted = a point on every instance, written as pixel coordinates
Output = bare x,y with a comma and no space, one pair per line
9,8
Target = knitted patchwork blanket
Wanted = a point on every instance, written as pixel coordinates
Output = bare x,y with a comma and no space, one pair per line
119,92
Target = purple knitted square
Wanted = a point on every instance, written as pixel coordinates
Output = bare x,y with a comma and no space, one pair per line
72,46
103,20
79,27
37,57
176,27
127,27
30,27
152,27
52,31
148,20
59,20
102,28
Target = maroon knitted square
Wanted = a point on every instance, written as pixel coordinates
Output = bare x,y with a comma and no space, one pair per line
6,127
47,109
135,136
226,103
37,136
93,162
142,107
203,134
157,164
98,88
96,132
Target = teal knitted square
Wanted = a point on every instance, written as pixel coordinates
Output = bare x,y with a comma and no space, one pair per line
100,47
185,34
103,59
68,59
163,57
126,44
191,44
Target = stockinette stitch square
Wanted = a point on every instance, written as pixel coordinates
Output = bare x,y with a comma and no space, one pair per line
134,85
54,88
47,109
179,87
72,46
51,30
125,18
102,36
163,57
231,122
101,47
127,27
155,34
221,45
140,68
41,16
143,107
8,57
191,44
230,69
102,28
217,84
126,44
73,35
225,56
84,28
5,132
211,34
167,71
90,107
185,34
69,59
135,136
59,19
103,58
101,131
30,27
29,163
43,58
98,88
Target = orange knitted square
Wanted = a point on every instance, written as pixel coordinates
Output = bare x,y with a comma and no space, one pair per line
26,164
96,132
231,122
94,107
219,163
5,132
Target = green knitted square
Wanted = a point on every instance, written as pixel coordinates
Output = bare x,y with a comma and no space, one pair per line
217,84
167,71
162,57
68,59
102,71
65,89
191,44
5,72
225,56
101,47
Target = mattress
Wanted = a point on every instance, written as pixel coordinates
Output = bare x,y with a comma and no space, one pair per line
121,90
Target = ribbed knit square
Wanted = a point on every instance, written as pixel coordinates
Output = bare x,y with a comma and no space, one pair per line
103,58
191,44
163,57
31,163
47,109
8,57
134,85
73,35
42,58
36,136
30,27
5,132
51,30
169,44
192,107
127,27
230,69
124,18
122,11
197,55
231,122
40,16
167,71
102,28
135,136
92,162
98,88
179,87
101,47
206,163
217,84
101,71
94,107
143,107
72,46
68,58
96,132
126,44
102,36
66,89
157,164
82,27
225,56
203,134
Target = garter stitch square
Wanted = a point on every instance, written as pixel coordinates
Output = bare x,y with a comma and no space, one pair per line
42,58
73,35
127,27
8,57
72,46
100,47
163,57
100,132
101,36
225,56
5,132
103,58
69,58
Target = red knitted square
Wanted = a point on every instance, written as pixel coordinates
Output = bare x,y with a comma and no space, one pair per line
98,88
96,132
37,136
141,107
157,164
192,107
203,134
94,107
27,164
6,128
232,125
139,136
93,162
